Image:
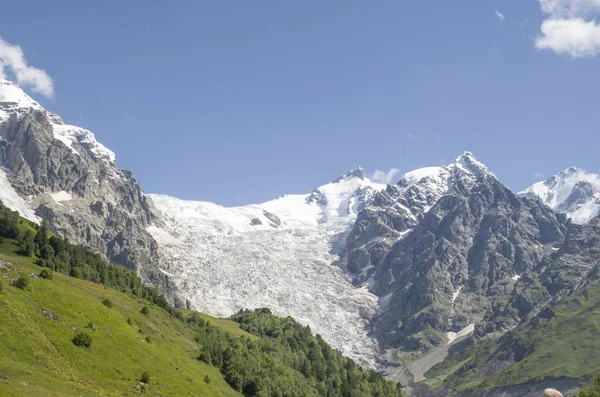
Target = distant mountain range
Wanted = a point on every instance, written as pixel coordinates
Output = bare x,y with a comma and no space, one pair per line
397,277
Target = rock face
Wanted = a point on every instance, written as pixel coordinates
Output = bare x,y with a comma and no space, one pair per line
465,255
64,175
464,240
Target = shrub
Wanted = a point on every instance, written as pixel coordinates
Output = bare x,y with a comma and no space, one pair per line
1,286
145,310
130,321
82,339
207,379
46,274
205,357
75,272
107,302
22,282
148,339
145,377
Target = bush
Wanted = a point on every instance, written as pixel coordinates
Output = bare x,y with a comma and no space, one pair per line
1,286
46,274
207,379
75,272
145,310
130,321
82,339
107,302
148,339
145,377
22,282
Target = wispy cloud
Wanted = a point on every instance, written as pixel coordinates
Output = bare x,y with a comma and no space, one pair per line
499,15
388,177
410,136
538,175
567,30
12,60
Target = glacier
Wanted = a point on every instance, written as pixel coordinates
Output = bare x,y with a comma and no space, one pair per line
280,254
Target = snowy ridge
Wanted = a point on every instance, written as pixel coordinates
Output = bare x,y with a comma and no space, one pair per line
13,100
574,192
278,255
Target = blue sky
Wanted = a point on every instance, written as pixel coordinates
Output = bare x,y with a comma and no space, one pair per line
240,102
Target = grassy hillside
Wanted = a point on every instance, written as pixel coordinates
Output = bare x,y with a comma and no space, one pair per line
39,358
562,341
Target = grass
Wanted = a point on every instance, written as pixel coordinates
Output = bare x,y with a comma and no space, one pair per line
40,359
565,345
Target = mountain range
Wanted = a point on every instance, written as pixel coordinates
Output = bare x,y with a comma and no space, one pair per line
401,278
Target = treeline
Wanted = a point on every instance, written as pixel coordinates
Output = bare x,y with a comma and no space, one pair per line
285,361
36,241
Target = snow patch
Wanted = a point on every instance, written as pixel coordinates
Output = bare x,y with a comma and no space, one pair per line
162,237
70,135
456,293
12,200
61,196
452,336
166,272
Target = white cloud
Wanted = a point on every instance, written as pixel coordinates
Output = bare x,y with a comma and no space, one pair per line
569,8
566,31
385,177
499,15
538,175
574,37
13,60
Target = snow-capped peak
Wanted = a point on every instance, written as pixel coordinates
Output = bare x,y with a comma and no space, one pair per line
573,191
14,100
466,163
471,164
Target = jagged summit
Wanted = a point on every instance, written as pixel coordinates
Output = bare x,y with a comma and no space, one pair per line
468,162
358,172
573,191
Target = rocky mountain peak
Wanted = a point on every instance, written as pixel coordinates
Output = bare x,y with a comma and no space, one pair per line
358,172
59,172
469,163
